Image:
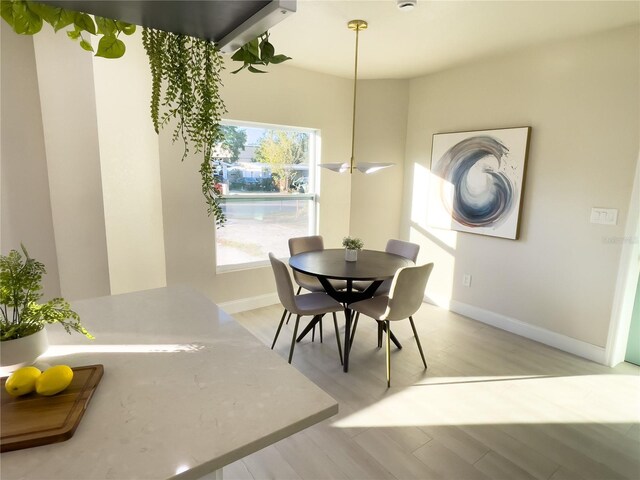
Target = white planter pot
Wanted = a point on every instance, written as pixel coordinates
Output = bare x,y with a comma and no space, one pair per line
350,255
22,351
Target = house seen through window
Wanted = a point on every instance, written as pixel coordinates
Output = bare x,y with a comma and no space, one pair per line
266,176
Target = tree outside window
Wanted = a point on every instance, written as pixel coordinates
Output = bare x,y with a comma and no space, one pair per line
235,140
281,149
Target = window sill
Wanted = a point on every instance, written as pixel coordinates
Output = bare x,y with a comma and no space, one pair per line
267,196
236,267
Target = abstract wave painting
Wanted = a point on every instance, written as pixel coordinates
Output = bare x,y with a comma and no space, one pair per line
477,180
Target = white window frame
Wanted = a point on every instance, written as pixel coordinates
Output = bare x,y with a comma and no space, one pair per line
314,159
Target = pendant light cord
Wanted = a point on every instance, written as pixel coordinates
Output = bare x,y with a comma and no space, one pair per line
355,91
364,167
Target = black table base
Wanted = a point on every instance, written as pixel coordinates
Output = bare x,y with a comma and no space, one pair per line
371,266
347,296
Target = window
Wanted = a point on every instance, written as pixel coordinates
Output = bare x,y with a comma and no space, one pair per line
267,177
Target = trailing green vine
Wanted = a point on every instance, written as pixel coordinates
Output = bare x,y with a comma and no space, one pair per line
186,90
27,18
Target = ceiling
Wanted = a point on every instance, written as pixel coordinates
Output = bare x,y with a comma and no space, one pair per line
434,36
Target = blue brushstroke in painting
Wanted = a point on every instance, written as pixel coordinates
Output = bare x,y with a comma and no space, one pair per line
472,205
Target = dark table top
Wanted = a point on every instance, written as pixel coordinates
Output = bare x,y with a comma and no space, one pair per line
330,263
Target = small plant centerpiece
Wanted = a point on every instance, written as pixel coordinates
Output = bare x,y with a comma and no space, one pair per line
22,318
351,245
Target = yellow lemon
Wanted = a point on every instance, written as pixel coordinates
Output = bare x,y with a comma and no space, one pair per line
22,381
54,380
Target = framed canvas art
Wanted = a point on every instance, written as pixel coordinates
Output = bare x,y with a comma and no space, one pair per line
477,181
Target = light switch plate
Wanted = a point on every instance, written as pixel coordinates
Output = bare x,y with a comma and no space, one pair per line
604,216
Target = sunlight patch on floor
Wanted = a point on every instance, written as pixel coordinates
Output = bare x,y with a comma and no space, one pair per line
505,400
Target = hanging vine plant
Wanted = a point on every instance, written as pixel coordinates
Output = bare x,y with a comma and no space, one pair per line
186,89
185,72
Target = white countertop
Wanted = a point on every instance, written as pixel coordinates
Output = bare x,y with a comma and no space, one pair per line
186,390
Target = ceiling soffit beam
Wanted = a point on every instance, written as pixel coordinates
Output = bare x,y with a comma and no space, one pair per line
229,23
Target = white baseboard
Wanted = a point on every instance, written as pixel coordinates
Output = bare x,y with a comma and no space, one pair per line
244,304
553,339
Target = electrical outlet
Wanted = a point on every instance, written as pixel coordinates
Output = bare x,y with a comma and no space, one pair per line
466,280
604,216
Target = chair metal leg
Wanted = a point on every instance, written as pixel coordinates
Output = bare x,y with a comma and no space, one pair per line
388,355
393,337
335,324
279,327
313,334
353,330
395,340
309,327
320,322
415,334
288,317
293,339
380,329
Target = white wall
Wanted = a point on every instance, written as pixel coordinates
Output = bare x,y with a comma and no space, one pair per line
290,96
381,130
130,171
67,96
25,206
581,98
98,186
286,96
99,147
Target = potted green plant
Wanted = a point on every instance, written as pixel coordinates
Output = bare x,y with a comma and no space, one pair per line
22,319
351,245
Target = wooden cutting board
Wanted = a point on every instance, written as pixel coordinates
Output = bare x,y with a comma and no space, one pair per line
33,420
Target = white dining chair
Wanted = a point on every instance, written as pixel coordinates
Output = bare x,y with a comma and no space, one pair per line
403,301
315,303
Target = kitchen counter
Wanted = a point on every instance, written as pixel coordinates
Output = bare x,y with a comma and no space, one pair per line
186,390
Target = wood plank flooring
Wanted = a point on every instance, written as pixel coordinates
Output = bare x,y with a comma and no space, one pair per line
492,405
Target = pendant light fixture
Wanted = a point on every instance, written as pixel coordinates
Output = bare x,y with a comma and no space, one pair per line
364,167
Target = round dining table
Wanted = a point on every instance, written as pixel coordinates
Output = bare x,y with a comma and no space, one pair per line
330,264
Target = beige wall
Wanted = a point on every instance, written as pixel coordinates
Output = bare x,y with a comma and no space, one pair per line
290,96
25,206
67,97
99,147
130,171
294,97
286,96
581,98
381,129
100,192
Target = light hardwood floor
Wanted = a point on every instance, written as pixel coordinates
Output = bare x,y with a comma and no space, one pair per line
491,405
